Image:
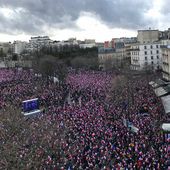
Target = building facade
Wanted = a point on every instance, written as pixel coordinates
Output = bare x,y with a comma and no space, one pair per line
36,43
19,47
87,43
111,57
147,36
106,57
5,47
166,62
165,42
146,56
164,35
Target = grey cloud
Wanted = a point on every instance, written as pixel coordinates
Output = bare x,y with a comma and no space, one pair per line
123,13
19,24
37,13
165,11
165,7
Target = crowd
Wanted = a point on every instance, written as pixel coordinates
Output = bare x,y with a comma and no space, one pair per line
81,127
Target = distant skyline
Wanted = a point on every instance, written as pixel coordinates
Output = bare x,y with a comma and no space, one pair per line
83,19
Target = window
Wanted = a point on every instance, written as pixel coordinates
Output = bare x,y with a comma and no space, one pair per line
151,47
157,51
157,46
145,52
157,56
146,58
145,46
151,57
152,62
151,52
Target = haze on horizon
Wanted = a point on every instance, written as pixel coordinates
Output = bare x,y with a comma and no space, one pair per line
95,19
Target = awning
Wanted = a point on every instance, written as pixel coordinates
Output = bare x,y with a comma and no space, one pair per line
160,91
166,103
157,83
166,126
167,88
151,82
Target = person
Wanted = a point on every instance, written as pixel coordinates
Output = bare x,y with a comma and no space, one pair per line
74,136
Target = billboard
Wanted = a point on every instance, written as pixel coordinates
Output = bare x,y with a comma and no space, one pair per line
30,105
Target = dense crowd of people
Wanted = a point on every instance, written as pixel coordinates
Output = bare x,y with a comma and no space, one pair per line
82,125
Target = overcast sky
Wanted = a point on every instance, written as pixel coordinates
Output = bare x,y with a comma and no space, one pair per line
96,19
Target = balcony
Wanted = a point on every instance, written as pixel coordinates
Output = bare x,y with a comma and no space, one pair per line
135,64
135,60
136,49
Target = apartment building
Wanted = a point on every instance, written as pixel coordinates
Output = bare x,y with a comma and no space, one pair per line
164,35
146,56
5,47
19,47
36,43
166,62
106,55
147,36
111,56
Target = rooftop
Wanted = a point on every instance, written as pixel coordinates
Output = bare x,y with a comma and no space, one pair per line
148,30
106,50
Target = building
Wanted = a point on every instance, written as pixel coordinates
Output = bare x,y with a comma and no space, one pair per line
121,57
19,47
111,57
117,51
91,45
146,56
63,45
87,43
147,36
100,44
164,35
106,57
36,43
125,40
165,42
5,47
107,44
166,62
128,51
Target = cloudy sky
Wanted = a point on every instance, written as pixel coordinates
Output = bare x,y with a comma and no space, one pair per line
98,19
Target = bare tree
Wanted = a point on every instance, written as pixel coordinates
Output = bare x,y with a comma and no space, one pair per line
84,62
50,66
47,66
108,64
